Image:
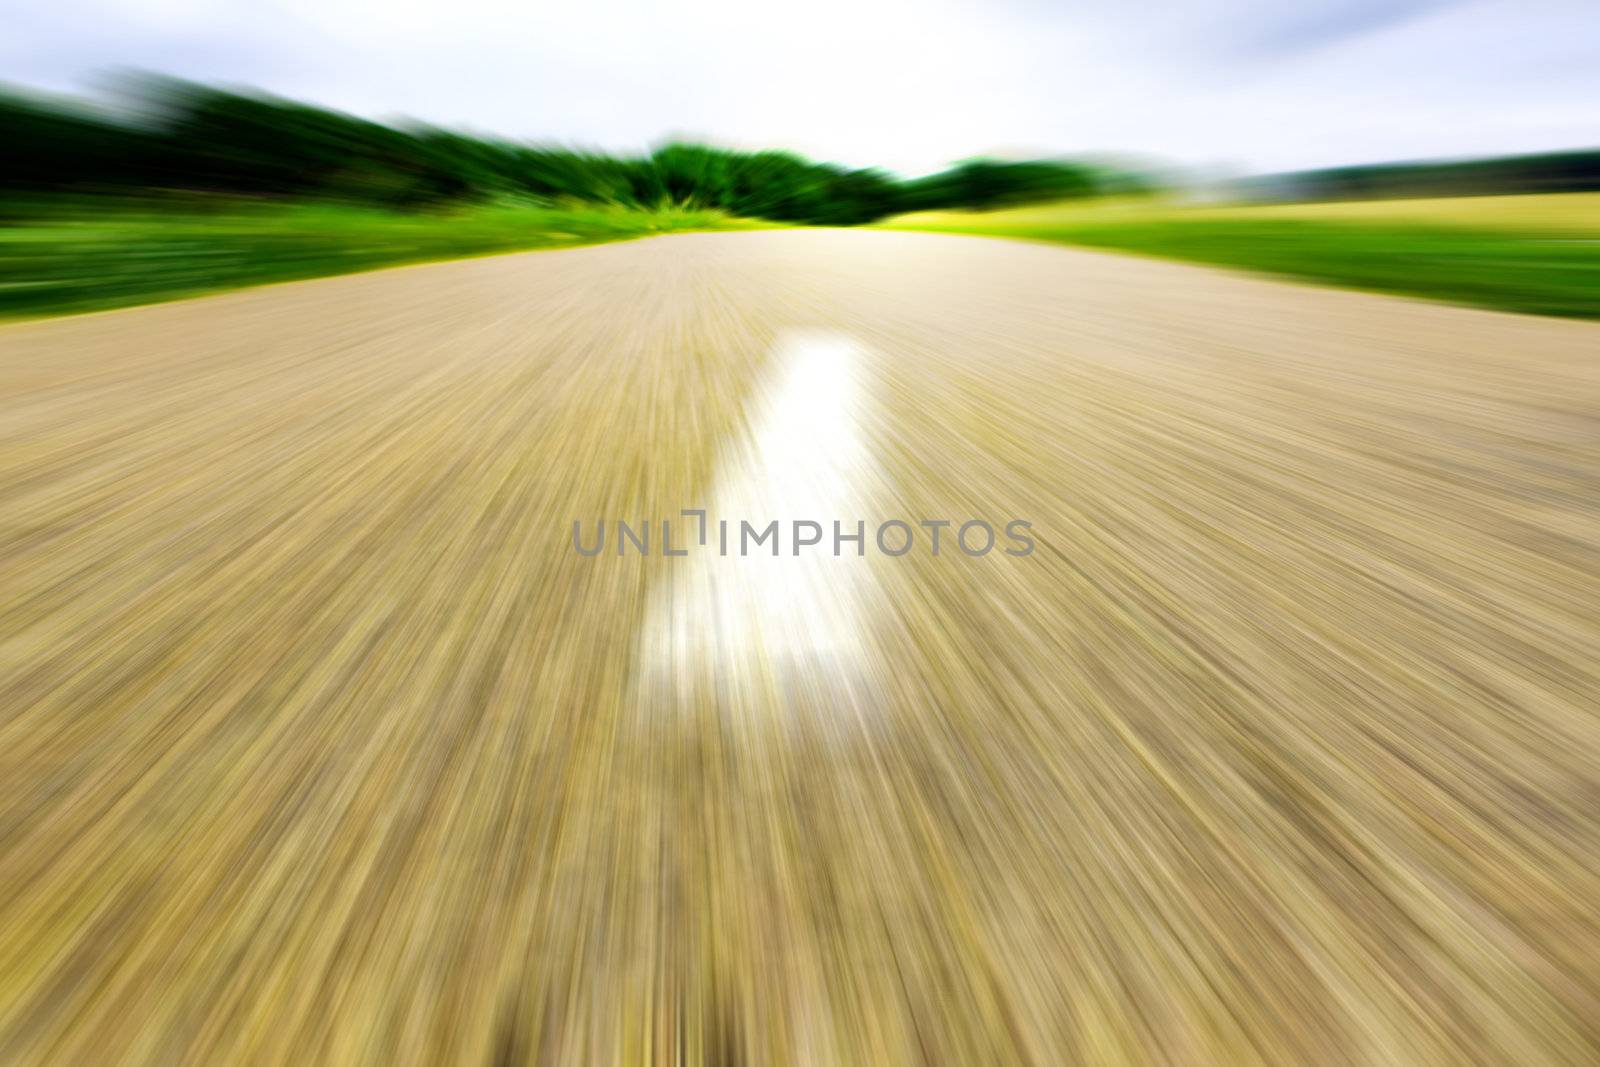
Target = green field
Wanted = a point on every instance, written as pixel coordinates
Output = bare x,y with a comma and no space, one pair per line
1536,254
54,261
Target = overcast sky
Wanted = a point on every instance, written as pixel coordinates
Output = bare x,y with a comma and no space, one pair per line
907,84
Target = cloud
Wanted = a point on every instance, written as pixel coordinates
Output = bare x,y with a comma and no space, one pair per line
1289,30
911,84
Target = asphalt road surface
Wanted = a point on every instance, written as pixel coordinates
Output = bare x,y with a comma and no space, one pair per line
320,742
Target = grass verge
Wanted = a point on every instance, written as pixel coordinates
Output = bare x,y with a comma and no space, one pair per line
54,261
1539,254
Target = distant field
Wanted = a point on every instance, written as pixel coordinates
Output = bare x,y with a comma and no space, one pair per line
1537,254
101,257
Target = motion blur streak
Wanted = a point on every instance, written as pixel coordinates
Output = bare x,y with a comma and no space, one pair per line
750,620
320,743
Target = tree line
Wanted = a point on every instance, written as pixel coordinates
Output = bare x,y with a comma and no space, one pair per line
1571,171
170,136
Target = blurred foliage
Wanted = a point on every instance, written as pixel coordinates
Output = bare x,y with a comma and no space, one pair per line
169,135
170,187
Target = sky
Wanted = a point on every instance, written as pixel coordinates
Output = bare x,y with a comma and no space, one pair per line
1231,86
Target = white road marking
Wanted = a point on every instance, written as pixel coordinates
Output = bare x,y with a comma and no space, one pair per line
757,621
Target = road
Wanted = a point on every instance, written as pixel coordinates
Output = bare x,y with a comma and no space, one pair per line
321,743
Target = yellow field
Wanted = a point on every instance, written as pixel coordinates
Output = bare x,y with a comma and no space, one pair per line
1568,213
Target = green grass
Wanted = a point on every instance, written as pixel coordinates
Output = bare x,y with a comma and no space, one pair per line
1548,266
100,256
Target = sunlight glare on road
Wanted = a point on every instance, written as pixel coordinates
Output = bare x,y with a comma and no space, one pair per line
746,612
